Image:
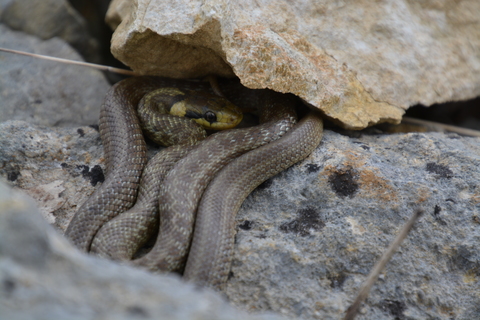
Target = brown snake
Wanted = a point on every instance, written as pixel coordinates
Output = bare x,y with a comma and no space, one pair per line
181,187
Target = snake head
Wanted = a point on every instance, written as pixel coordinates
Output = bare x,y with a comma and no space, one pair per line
212,112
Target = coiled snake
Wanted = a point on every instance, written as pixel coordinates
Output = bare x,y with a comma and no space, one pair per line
105,225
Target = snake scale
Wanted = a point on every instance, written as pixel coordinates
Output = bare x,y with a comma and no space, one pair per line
237,160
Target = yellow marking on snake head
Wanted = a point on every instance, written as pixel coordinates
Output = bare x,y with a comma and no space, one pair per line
179,109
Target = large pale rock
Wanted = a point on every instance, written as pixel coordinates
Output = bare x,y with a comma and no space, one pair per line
306,239
360,63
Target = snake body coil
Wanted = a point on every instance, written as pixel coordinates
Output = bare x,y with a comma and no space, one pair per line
181,188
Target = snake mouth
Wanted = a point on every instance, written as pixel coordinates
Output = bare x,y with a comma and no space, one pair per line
228,117
226,120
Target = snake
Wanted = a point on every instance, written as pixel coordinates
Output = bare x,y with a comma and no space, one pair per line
125,150
195,232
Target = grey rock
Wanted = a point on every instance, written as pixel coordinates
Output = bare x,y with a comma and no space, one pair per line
43,277
46,92
307,241
309,236
47,19
3,5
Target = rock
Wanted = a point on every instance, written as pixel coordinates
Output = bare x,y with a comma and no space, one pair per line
116,11
43,277
58,167
46,92
48,19
306,239
3,5
360,63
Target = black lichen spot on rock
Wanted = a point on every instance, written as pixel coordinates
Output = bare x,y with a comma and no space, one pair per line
95,175
365,147
362,145
312,167
394,308
246,225
308,219
344,183
436,215
336,280
13,175
81,132
64,165
137,311
439,169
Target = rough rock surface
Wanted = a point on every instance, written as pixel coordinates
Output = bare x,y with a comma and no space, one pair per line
43,277
306,239
46,92
58,167
360,63
47,19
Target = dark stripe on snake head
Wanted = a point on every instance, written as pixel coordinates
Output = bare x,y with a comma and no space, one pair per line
193,115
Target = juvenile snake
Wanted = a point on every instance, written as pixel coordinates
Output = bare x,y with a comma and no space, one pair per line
182,187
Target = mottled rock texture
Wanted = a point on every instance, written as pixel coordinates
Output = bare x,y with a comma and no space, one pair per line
58,167
307,241
360,62
308,237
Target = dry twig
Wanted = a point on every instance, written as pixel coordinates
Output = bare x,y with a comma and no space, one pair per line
67,61
380,265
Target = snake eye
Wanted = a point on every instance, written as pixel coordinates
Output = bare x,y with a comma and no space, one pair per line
210,116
